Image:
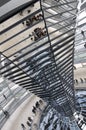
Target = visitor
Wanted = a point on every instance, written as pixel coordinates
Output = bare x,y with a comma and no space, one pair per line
23,126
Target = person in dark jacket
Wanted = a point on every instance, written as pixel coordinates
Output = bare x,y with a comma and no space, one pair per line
23,126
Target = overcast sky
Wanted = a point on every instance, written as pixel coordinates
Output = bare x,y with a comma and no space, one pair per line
11,5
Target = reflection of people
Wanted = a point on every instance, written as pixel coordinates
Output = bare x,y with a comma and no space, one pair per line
38,33
28,123
34,108
6,113
85,45
33,111
82,32
37,104
29,118
76,81
35,36
23,126
81,80
40,101
4,96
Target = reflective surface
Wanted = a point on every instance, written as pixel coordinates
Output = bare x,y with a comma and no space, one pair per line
51,120
11,96
38,55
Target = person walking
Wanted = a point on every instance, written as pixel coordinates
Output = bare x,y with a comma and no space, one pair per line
23,126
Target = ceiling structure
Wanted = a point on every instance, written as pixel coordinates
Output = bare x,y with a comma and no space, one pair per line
37,48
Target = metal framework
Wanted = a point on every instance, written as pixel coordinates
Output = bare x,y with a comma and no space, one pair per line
37,45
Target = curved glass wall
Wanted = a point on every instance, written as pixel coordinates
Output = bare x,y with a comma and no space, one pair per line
37,51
